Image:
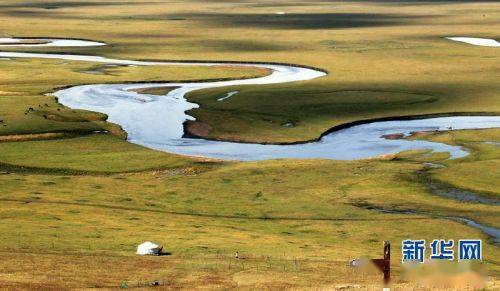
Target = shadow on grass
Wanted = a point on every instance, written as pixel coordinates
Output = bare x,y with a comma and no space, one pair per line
278,3
260,20
210,215
241,45
64,4
296,20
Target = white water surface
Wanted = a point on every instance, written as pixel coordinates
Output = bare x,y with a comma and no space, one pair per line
228,95
476,41
157,121
50,42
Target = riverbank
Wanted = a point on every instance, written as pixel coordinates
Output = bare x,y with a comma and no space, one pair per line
192,128
141,116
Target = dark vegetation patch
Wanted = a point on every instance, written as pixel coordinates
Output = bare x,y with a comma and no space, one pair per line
11,168
102,69
242,45
298,20
66,4
52,9
392,209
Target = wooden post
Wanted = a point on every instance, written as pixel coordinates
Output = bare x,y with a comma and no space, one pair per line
384,264
387,262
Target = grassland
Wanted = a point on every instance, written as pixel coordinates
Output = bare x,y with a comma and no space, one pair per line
75,203
292,222
385,58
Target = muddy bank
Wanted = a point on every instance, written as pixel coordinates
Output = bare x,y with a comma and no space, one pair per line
196,129
393,136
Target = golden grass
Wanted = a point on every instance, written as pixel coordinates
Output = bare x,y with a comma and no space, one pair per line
90,230
71,208
296,224
9,93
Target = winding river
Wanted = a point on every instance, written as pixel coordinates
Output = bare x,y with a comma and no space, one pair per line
157,121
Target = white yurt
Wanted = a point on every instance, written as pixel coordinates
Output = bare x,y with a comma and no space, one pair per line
149,248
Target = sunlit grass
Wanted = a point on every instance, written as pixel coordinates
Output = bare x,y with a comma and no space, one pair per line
75,203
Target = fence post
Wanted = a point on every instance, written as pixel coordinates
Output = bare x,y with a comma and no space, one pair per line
387,262
384,264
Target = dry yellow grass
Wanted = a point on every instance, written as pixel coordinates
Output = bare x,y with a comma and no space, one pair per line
10,93
71,208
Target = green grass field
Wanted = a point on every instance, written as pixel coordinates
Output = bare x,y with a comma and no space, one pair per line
75,203
294,220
